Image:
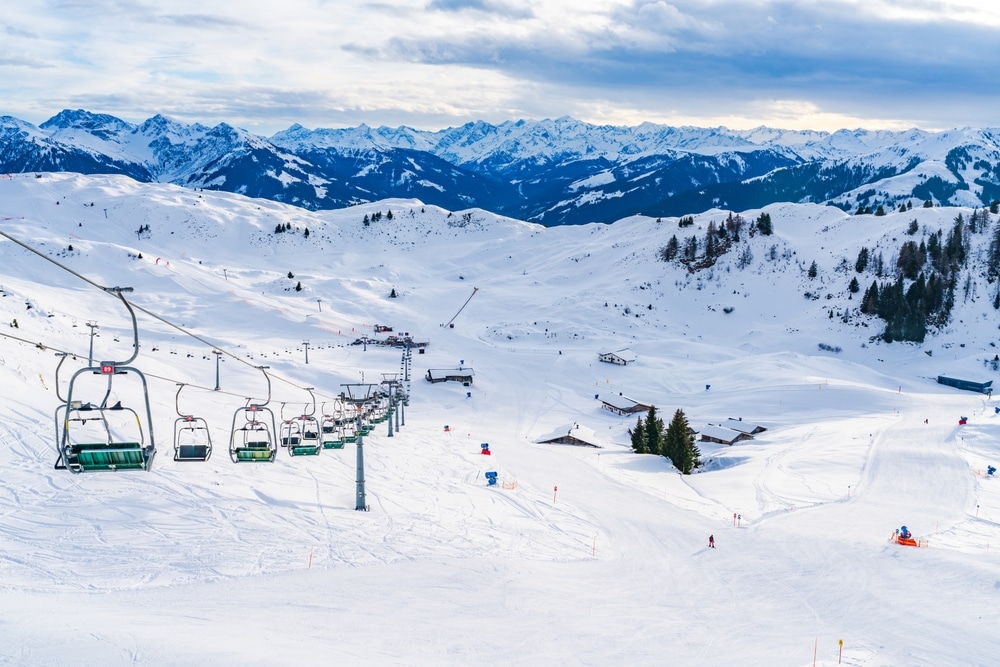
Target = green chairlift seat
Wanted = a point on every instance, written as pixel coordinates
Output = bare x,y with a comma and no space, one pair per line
108,456
254,451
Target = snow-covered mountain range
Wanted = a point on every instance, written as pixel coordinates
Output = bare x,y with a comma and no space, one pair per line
555,172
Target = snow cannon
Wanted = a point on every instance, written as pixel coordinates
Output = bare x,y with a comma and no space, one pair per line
484,449
491,478
904,537
962,421
996,410
991,470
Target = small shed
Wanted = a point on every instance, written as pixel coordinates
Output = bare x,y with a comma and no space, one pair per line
572,434
722,435
623,405
620,357
968,385
742,426
463,375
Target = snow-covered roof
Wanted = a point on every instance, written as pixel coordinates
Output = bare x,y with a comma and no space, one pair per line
720,433
624,353
623,403
449,372
575,431
742,426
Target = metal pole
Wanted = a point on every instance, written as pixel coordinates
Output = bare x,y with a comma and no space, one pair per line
319,302
360,504
398,407
406,367
90,354
305,344
389,408
358,403
218,355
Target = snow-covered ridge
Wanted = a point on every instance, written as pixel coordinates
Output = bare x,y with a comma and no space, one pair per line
553,171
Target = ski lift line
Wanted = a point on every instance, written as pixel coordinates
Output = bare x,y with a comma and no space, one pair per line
117,291
474,290
222,392
49,259
39,344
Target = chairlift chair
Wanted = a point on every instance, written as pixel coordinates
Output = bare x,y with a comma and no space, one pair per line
253,440
254,433
291,433
348,431
301,434
192,439
331,437
101,446
309,443
329,429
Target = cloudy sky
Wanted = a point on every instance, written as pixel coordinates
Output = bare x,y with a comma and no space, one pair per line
265,64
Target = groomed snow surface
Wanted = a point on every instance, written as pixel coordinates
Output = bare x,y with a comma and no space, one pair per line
265,564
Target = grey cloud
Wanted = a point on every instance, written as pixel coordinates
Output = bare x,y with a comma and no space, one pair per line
14,31
503,8
733,50
20,61
202,21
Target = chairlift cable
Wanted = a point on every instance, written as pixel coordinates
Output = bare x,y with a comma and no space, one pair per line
117,292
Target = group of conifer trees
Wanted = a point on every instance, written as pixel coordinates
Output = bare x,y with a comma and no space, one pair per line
717,241
923,292
676,441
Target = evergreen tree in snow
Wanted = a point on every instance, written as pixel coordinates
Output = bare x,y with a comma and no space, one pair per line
654,432
764,224
638,435
862,262
679,444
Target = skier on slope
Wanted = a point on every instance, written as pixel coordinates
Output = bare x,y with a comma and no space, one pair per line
711,541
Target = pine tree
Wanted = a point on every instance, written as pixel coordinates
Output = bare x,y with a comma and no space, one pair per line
764,224
638,435
679,444
669,252
654,432
298,287
993,261
690,248
869,303
853,287
862,262
880,210
813,270
711,242
911,259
